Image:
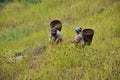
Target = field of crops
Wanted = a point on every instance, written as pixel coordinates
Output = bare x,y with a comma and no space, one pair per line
24,31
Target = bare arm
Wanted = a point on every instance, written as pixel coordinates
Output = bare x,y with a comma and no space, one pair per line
50,38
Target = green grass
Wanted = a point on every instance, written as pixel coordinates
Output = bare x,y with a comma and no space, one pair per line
24,30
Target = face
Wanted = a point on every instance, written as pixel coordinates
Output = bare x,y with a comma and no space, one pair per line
76,31
53,32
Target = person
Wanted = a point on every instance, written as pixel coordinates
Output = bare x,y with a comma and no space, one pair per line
55,27
56,35
79,37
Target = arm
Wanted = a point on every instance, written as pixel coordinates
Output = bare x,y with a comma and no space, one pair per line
77,40
50,38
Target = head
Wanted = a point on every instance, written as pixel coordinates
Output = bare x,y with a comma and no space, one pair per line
78,30
53,32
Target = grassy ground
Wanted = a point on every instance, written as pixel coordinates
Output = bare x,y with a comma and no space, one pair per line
24,30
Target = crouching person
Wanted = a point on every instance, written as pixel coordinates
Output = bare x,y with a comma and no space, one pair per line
55,36
55,33
79,37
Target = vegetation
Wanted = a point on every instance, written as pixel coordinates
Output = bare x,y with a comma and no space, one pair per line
26,55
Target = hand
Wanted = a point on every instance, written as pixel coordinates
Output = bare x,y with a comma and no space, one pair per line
72,41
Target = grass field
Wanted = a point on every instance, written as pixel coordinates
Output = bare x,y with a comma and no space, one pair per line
24,31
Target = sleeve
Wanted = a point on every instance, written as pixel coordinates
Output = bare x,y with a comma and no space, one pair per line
77,39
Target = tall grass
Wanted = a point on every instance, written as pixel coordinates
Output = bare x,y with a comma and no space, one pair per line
24,30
